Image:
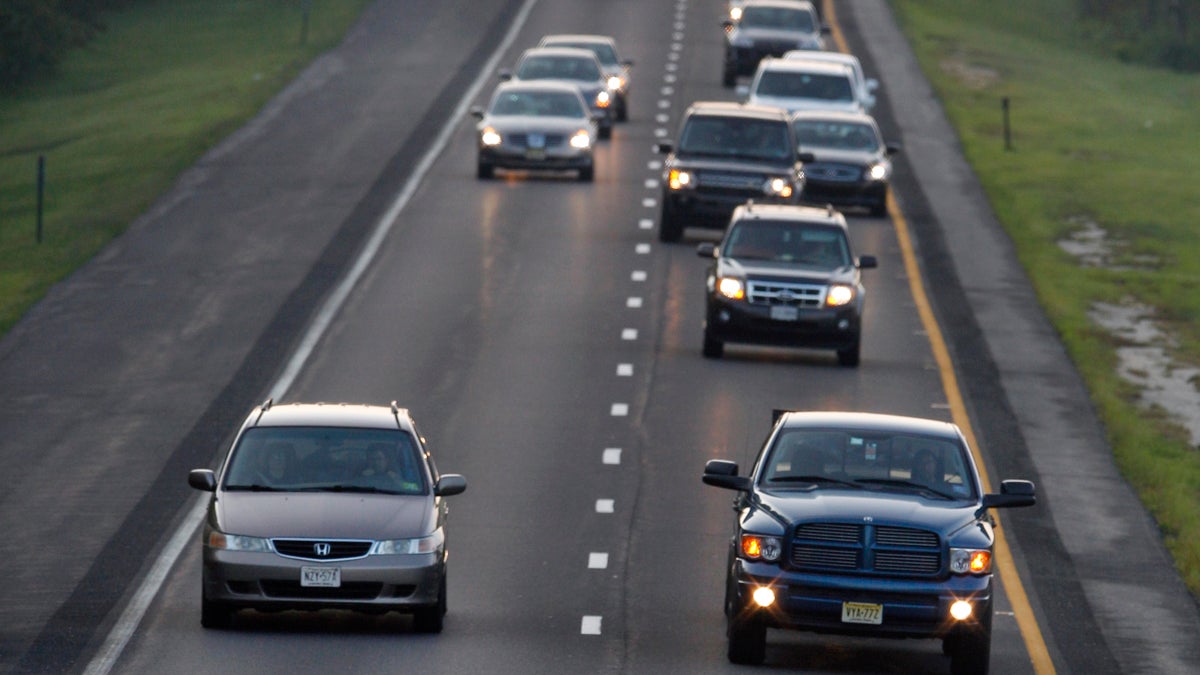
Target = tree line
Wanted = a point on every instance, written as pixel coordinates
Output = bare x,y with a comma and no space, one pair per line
35,34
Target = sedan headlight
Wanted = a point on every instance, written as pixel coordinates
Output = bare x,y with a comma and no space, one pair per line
616,83
603,98
778,187
970,561
582,140
490,137
731,287
431,544
677,179
878,171
735,13
839,295
758,547
237,542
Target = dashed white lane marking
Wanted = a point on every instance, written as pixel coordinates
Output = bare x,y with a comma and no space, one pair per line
633,303
629,334
611,456
664,104
597,561
654,165
624,369
646,224
672,67
642,249
651,183
667,91
605,506
669,78
649,202
620,409
662,118
590,625
660,133
638,275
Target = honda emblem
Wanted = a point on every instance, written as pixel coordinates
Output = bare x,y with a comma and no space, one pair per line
322,549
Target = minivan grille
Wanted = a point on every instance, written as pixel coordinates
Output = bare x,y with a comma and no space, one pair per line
314,549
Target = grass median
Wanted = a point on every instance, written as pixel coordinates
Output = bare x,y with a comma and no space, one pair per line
126,114
1105,152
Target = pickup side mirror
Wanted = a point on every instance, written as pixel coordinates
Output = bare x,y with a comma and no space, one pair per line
450,484
723,473
1012,493
706,250
203,479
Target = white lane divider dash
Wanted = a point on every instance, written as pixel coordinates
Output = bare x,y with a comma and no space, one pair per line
642,249
638,275
591,625
633,303
646,224
620,409
624,370
597,561
611,456
629,334
605,506
649,202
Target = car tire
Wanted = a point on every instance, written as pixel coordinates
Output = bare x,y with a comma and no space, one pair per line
587,174
215,614
432,619
485,171
713,348
605,132
747,642
850,357
970,651
669,227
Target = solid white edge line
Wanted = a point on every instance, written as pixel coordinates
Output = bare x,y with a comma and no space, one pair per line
132,616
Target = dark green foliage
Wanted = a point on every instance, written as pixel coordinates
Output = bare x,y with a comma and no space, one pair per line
34,34
1157,32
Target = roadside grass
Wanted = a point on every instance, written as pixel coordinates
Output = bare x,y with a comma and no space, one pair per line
1095,140
126,114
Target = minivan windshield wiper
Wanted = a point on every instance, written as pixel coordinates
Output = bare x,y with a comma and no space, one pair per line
350,488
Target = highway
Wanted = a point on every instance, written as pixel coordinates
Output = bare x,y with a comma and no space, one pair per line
340,248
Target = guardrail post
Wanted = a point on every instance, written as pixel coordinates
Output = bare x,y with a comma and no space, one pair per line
41,191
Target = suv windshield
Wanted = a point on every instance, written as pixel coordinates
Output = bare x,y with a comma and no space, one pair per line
808,458
790,84
791,242
779,18
736,137
326,458
836,135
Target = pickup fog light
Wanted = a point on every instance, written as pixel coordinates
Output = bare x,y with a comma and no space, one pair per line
731,288
960,610
679,180
757,547
489,137
970,561
780,187
582,140
236,542
764,596
839,296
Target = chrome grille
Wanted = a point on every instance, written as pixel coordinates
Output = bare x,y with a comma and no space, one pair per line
308,549
830,172
552,140
729,181
866,549
781,293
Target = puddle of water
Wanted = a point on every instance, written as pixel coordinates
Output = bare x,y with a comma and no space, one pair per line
1092,247
1145,362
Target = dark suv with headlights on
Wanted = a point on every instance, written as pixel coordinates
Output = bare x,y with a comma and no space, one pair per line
768,28
851,163
863,524
326,506
785,275
728,154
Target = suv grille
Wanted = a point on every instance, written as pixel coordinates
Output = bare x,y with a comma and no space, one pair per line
308,549
551,140
730,181
783,293
829,172
866,549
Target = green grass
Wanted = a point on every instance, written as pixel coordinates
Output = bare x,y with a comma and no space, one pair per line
1099,139
123,116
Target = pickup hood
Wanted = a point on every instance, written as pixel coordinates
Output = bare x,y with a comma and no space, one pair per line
324,515
890,508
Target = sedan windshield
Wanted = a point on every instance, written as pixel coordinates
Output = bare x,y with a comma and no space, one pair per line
559,68
836,135
778,18
820,458
736,137
818,87
788,242
302,459
539,104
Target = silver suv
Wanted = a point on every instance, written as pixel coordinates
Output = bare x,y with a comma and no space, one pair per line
326,506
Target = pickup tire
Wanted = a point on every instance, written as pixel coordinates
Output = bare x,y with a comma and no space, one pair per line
970,650
747,642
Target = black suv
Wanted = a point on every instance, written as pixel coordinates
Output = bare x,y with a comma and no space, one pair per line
785,275
863,524
768,28
728,153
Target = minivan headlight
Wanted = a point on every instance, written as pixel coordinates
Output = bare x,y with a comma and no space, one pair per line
431,544
237,542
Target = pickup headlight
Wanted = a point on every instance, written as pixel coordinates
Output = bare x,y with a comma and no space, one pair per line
678,179
237,542
431,544
490,137
731,287
778,187
582,140
970,561
759,547
839,295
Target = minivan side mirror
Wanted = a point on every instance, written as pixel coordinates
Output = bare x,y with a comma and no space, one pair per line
450,484
203,479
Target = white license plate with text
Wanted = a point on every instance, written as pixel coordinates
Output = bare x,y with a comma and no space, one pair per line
321,577
862,612
785,312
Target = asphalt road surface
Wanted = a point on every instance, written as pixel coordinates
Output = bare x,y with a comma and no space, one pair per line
549,346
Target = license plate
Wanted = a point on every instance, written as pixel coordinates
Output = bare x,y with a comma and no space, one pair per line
862,612
324,577
537,140
785,312
535,154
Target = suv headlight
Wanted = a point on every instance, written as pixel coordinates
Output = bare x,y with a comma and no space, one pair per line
678,179
970,561
616,82
582,140
237,542
490,137
778,187
759,547
431,544
603,98
731,287
878,171
839,295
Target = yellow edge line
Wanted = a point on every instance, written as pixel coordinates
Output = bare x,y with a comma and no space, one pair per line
1031,632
